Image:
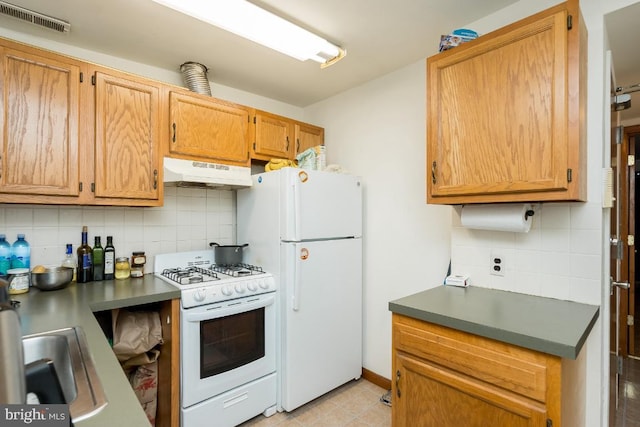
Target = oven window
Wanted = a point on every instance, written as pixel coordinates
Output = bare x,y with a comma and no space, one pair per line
229,342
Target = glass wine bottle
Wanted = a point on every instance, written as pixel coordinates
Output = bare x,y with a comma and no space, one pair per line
97,259
84,273
109,259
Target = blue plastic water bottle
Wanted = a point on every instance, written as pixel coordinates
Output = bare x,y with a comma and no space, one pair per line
20,253
5,255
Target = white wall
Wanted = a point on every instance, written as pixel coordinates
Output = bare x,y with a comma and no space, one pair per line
377,131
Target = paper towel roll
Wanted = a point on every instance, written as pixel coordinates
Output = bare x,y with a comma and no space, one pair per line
498,217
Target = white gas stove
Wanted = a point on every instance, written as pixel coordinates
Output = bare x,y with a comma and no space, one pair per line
201,281
227,338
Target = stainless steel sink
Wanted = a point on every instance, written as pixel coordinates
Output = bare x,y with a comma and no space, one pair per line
68,350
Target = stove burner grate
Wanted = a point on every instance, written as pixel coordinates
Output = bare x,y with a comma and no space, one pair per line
189,275
237,270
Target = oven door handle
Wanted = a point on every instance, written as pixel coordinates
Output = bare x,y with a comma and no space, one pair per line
217,312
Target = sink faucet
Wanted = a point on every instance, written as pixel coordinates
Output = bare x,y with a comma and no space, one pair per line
12,374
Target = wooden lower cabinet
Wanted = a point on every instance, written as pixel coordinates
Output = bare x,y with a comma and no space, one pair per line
431,395
444,377
168,410
168,381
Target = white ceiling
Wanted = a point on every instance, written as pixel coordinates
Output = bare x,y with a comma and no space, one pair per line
380,36
623,30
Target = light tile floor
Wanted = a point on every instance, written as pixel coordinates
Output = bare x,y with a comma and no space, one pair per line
355,404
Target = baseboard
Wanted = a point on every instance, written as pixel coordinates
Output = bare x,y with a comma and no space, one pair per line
378,380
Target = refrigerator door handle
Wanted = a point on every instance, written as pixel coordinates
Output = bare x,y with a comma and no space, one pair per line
296,207
297,277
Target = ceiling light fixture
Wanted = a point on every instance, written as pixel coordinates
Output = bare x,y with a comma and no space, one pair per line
251,22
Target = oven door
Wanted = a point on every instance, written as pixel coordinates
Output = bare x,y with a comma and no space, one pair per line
225,345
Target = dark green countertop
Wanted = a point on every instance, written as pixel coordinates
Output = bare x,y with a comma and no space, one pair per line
74,306
543,324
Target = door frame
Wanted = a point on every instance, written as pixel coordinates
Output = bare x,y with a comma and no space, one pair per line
629,202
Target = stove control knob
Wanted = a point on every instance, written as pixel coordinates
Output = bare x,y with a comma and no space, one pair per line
252,286
200,295
227,290
264,284
240,288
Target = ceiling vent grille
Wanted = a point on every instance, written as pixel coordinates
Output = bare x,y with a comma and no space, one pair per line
34,17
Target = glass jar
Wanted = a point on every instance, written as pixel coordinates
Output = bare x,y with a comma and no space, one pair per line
137,272
122,268
19,280
138,259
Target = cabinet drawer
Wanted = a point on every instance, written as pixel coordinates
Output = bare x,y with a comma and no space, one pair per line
522,371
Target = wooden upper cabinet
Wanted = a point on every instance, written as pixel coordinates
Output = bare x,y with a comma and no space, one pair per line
75,133
281,137
307,136
127,131
208,128
505,114
40,124
273,137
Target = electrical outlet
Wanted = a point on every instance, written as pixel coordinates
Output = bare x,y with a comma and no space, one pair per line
497,264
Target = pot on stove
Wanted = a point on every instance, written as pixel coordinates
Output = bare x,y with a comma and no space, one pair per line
228,254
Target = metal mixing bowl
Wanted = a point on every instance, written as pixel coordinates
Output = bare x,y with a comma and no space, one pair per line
52,278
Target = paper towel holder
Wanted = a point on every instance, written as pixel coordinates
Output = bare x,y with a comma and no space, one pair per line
527,214
512,217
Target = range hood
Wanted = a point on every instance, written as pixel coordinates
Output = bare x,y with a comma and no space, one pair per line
195,173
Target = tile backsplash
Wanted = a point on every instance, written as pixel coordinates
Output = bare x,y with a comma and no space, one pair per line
189,220
560,257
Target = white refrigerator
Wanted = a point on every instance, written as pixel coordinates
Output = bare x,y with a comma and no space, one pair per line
305,227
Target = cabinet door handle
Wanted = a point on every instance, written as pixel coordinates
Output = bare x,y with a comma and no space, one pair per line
287,149
433,172
174,133
298,146
155,179
398,383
